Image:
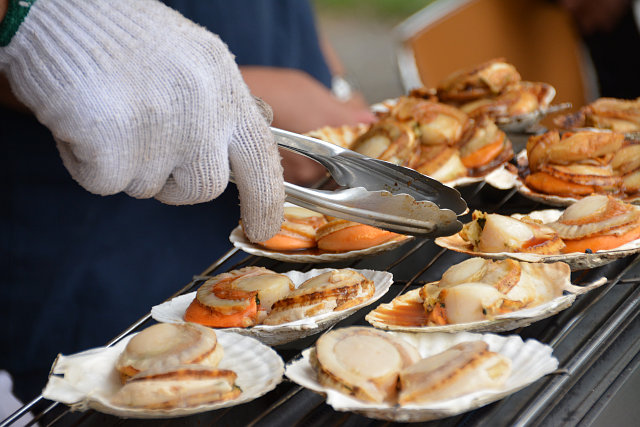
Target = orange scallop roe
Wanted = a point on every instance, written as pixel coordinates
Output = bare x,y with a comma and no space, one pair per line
282,242
484,155
355,237
209,316
601,242
549,184
236,316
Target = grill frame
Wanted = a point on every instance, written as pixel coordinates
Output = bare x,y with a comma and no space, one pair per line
595,341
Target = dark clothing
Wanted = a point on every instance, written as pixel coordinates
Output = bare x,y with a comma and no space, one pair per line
78,268
278,33
616,57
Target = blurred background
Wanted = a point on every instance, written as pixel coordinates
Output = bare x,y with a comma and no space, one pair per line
585,48
361,32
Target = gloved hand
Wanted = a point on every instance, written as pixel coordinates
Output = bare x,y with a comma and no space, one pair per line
142,100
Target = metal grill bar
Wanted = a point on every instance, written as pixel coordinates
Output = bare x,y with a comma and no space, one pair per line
558,385
555,339
296,405
397,262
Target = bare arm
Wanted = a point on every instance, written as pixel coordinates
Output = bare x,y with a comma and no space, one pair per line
4,4
300,104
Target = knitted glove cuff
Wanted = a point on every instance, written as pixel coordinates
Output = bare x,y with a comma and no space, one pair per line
16,12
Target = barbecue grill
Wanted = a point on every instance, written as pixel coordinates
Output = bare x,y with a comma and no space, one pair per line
595,340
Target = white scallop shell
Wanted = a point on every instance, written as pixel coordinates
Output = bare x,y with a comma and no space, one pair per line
577,260
240,241
503,322
88,380
173,311
503,178
499,178
530,361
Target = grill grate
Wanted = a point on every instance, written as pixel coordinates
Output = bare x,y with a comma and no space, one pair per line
595,341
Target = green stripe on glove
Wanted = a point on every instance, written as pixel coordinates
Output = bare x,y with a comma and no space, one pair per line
16,12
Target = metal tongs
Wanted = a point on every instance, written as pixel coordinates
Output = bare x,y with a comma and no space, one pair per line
379,193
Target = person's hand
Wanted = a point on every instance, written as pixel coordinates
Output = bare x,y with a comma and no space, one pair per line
301,104
596,15
142,100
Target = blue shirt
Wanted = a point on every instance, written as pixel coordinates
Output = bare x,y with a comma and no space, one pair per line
277,33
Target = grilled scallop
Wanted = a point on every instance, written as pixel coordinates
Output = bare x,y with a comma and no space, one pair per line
440,162
434,123
390,140
474,290
341,235
583,146
164,345
298,231
597,223
459,370
479,289
517,100
362,362
181,386
239,298
483,80
499,233
619,115
485,148
503,275
331,291
579,164
627,158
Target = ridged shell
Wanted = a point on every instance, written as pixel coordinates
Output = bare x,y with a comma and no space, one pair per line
577,261
594,209
87,380
503,322
530,361
173,311
548,199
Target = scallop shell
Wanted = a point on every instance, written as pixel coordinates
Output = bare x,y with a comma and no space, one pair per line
549,199
173,311
503,322
531,360
522,122
240,241
88,380
577,261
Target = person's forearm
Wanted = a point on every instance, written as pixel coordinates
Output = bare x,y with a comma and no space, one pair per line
4,4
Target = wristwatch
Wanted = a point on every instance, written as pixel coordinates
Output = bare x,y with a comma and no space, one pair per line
341,88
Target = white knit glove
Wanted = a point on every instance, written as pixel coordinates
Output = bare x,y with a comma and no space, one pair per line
142,100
